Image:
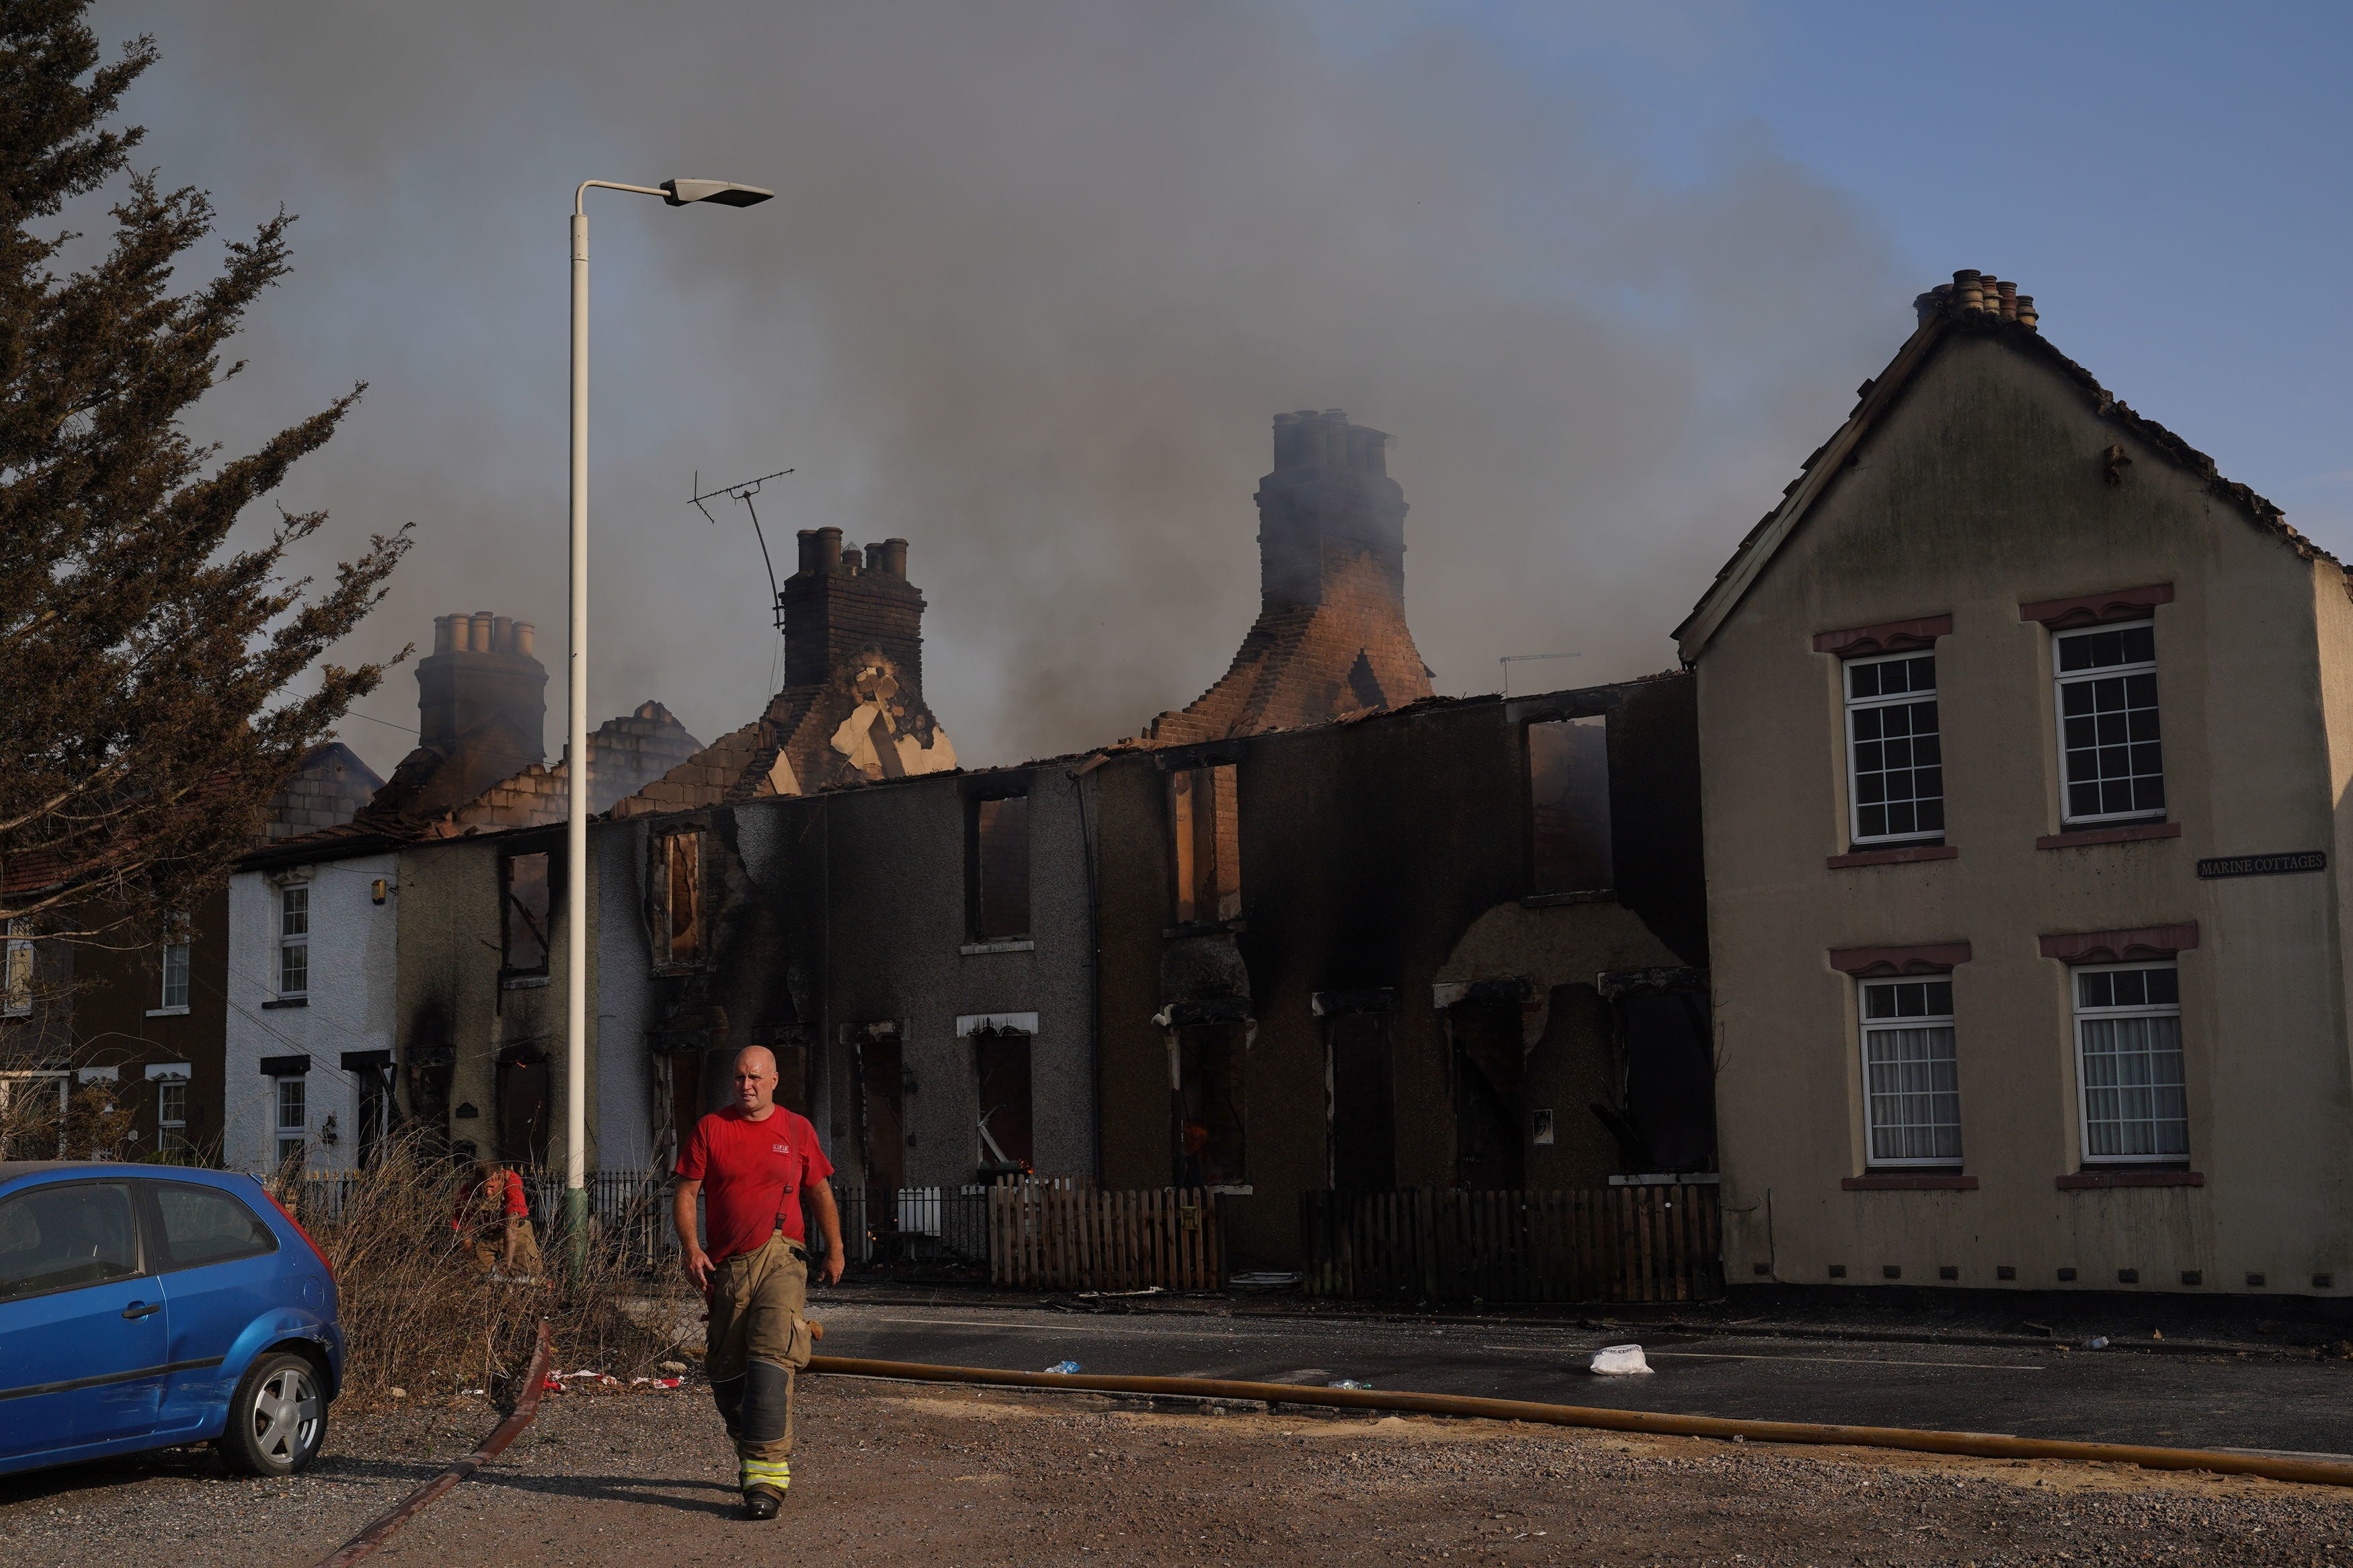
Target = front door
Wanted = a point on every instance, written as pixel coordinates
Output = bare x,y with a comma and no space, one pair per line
82,1326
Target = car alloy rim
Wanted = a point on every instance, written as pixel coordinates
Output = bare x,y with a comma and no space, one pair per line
286,1415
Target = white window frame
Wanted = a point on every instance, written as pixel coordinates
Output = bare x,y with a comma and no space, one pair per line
2059,684
293,1138
1871,1026
2082,1015
172,1131
35,1081
172,1000
294,937
16,972
1853,705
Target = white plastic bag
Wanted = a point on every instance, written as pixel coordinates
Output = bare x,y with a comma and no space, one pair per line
1617,1361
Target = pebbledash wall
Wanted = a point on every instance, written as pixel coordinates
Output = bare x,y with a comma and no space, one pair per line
328,1035
1986,496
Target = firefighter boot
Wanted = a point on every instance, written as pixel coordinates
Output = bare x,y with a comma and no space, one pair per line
764,1482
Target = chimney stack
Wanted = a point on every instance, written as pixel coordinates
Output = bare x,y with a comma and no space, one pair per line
1330,486
842,601
482,670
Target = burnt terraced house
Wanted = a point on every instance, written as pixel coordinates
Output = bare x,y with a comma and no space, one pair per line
1320,930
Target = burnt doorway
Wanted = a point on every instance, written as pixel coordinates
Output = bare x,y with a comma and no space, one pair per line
525,1099
882,1108
1211,1124
1670,1078
1001,1075
1489,1070
1364,1103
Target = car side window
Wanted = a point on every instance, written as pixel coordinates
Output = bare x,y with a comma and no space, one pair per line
64,1237
204,1225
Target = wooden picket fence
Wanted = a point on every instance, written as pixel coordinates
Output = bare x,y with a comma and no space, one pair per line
1435,1243
1083,1238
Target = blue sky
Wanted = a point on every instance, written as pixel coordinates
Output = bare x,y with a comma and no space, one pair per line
1042,270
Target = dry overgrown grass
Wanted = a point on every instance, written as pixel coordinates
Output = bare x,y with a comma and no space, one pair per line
420,1316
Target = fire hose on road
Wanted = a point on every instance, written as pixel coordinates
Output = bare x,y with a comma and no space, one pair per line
1975,1445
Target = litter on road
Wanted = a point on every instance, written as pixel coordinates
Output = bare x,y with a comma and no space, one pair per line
1620,1361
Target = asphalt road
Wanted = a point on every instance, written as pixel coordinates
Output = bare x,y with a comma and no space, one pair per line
2178,1401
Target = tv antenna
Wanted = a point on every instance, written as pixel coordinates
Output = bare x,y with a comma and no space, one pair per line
744,492
1510,659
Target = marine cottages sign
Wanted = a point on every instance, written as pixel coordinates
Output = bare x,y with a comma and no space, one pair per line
2264,864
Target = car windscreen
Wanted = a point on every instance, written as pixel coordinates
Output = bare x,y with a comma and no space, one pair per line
206,1225
62,1237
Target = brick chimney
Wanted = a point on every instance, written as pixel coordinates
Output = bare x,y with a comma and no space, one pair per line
1329,503
1331,637
482,669
837,603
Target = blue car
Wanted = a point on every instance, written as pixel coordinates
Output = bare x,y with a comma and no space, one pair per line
154,1307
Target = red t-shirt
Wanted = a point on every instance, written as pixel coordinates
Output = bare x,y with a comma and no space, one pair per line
482,1201
751,1174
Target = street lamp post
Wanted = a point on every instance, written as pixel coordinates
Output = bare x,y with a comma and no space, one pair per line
677,194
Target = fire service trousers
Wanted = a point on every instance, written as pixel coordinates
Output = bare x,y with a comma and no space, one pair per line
758,1339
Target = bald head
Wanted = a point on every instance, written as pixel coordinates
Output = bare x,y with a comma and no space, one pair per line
755,1082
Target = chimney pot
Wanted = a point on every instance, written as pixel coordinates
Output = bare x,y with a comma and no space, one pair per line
480,642
894,558
829,550
2008,292
2026,315
807,541
524,633
1966,293
851,560
502,634
444,638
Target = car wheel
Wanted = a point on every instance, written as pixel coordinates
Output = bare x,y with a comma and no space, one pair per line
278,1418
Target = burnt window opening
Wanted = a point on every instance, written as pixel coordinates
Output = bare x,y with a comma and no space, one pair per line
1211,1124
1364,1103
1490,1088
527,905
1568,807
999,858
679,934
1000,1059
882,1108
1205,823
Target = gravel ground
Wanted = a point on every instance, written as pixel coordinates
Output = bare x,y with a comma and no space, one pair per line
960,1479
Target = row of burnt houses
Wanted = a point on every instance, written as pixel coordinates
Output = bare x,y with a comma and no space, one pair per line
1965,905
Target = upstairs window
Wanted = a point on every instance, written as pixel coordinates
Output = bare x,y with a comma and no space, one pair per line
172,997
1000,860
1895,758
294,941
17,971
1205,821
1568,807
526,913
678,936
2129,1063
2112,764
1910,1086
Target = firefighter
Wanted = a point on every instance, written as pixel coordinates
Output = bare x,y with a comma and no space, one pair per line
752,1162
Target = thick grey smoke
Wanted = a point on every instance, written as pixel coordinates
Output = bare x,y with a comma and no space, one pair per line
1038,275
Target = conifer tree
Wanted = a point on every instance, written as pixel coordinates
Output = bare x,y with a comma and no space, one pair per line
151,675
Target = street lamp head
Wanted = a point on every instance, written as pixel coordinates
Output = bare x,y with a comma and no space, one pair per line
726,192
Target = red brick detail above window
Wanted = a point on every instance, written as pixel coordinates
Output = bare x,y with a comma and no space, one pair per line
2094,609
1911,1182
1893,857
2129,833
1876,962
1895,637
2122,946
2133,1179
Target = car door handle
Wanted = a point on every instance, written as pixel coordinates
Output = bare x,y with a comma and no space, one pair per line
143,1309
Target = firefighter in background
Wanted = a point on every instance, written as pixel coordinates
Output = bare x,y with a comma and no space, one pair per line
752,1164
493,1218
